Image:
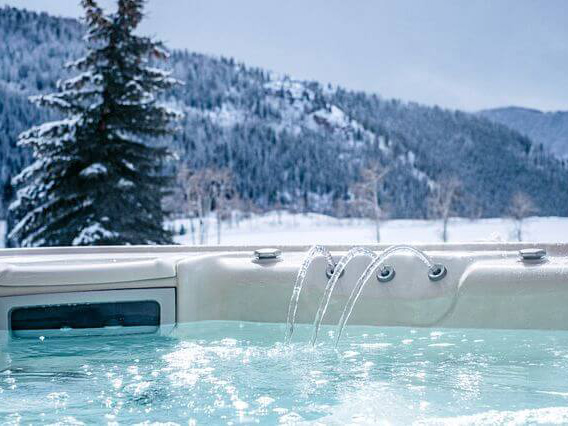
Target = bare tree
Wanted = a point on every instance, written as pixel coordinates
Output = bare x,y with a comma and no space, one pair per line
521,207
206,191
178,202
225,199
441,202
366,193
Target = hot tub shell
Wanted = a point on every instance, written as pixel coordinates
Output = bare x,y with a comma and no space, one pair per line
487,285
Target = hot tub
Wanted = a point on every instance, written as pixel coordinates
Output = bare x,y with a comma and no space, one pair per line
128,334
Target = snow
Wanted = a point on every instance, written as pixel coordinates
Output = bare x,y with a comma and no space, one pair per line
80,80
293,89
30,216
55,99
294,101
333,116
285,228
2,232
29,171
93,170
51,127
54,133
125,183
128,165
158,72
92,234
173,112
226,116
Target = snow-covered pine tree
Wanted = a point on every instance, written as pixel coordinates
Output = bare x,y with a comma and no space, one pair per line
95,180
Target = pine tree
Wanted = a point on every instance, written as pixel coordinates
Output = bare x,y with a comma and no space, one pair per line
94,179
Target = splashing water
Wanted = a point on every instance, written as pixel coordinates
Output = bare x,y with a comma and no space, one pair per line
293,306
356,292
220,372
338,270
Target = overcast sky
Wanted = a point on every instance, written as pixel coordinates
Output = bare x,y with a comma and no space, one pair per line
467,54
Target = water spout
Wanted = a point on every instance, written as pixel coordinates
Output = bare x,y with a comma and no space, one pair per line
356,292
338,270
300,278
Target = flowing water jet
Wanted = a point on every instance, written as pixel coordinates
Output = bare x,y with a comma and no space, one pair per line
300,278
338,271
356,292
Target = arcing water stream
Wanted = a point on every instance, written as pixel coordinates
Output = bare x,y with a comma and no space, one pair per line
337,270
356,292
293,306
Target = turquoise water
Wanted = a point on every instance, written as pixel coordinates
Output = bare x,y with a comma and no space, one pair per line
231,372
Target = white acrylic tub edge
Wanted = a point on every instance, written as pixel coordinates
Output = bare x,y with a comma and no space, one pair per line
487,285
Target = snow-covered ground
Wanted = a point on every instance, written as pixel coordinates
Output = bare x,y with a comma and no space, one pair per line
285,228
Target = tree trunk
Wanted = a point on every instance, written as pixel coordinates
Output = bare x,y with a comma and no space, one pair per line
445,230
218,228
377,210
192,226
201,231
378,230
202,226
520,230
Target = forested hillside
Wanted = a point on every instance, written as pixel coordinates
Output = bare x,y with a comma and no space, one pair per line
547,128
292,144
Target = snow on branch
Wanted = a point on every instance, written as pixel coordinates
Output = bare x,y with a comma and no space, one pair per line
53,99
51,133
93,233
95,169
78,82
160,51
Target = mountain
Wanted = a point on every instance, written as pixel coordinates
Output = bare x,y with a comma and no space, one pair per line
547,128
295,144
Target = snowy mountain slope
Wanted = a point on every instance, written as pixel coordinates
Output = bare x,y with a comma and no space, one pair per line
292,143
547,128
286,141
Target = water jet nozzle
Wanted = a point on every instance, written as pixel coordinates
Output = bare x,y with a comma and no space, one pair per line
386,273
437,272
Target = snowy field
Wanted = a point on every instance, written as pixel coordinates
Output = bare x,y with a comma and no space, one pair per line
285,228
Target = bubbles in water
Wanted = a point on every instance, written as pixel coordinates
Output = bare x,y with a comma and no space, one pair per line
396,375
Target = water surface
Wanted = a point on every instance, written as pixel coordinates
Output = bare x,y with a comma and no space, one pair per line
231,372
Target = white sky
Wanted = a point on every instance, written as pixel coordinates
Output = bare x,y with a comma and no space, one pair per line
467,54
